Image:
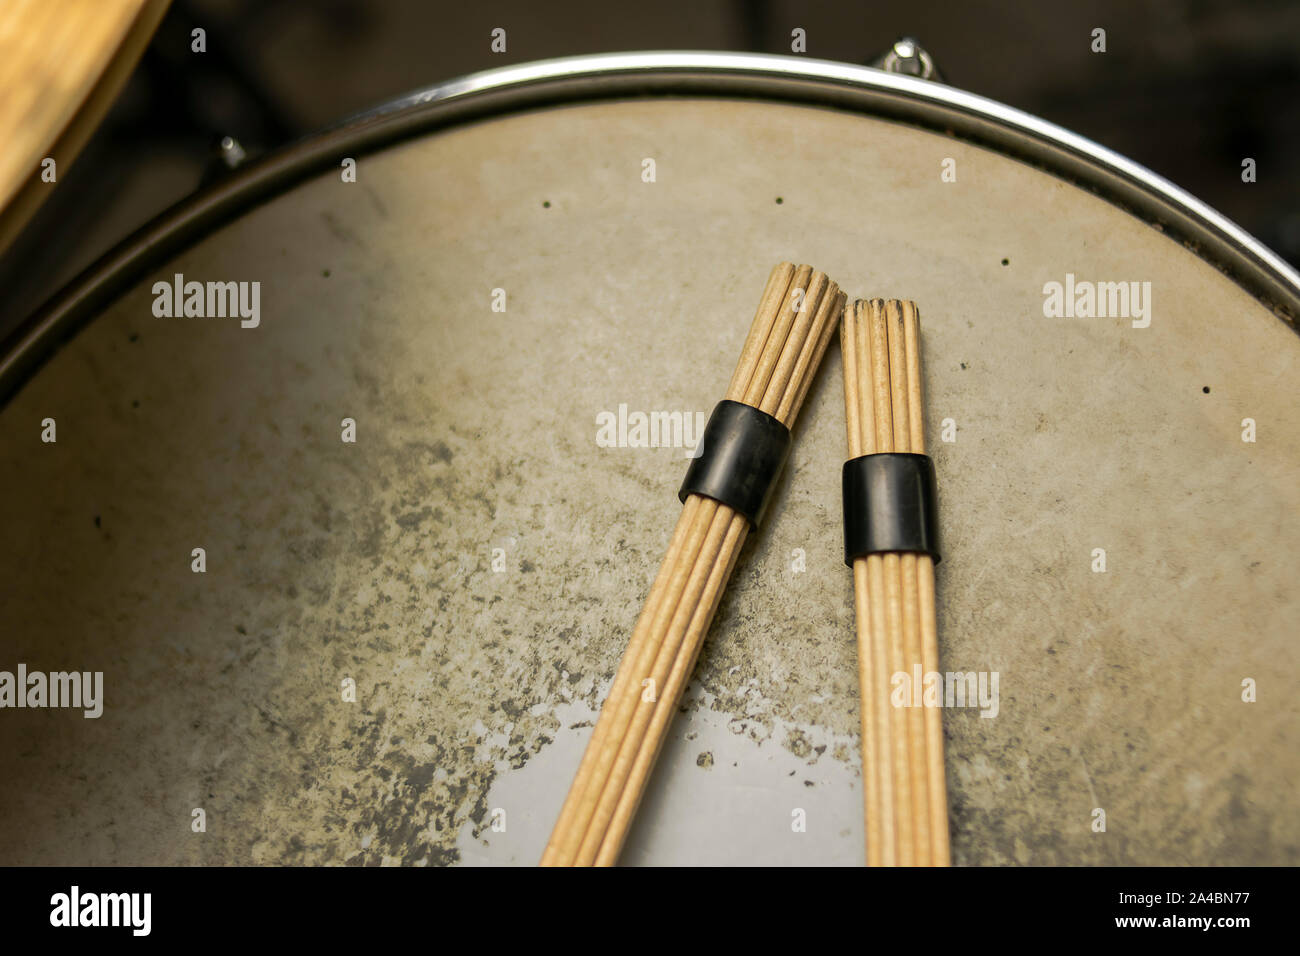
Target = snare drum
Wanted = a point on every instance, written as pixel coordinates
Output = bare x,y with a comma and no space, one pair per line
357,574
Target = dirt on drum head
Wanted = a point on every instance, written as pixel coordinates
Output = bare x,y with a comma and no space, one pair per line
474,561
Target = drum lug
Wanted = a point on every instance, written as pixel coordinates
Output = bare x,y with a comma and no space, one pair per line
909,57
225,155
231,152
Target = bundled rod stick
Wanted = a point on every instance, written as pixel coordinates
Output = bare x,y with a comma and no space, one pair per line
797,315
787,391
904,791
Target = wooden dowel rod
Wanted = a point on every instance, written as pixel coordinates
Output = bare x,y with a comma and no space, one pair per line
811,358
937,785
766,366
799,340
778,283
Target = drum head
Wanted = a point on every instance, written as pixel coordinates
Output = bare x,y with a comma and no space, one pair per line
396,645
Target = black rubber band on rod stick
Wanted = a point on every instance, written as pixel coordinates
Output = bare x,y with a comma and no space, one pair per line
889,505
741,453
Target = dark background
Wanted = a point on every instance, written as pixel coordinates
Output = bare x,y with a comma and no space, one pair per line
1186,88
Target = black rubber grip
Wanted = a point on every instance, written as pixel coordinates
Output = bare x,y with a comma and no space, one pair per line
890,505
741,454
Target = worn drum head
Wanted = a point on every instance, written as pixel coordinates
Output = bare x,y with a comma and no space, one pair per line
428,521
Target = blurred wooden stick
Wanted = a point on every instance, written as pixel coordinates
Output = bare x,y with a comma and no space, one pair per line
62,64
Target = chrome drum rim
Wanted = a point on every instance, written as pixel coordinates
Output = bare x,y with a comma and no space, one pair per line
843,86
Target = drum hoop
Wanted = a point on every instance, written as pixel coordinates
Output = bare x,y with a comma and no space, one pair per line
843,86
